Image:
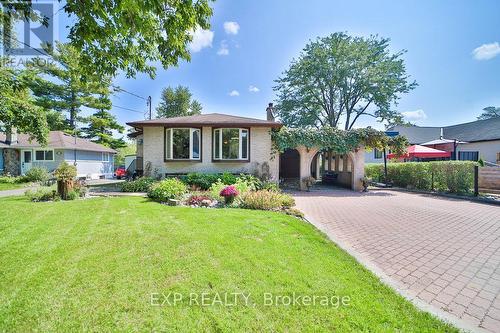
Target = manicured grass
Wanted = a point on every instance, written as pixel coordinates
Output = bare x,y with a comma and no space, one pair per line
13,186
92,265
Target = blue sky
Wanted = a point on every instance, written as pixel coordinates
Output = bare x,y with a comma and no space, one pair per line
440,37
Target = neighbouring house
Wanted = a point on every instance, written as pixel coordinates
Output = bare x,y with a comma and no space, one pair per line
18,154
214,143
471,141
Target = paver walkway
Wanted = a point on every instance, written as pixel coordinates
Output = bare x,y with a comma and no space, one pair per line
15,192
446,252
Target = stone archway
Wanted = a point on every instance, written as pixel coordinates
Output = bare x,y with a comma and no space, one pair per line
356,165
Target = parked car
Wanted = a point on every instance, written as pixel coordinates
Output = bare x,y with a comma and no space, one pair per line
121,172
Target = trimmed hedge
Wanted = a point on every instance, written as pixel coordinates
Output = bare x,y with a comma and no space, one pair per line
443,176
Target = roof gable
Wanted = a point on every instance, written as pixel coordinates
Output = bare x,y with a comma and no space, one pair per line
56,140
208,119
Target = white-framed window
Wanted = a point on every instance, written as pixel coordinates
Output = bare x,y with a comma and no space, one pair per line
182,144
230,144
105,157
44,155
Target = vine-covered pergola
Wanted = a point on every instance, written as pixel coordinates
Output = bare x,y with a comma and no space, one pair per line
352,143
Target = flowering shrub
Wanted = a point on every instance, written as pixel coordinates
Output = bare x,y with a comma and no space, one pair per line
171,188
229,193
199,200
240,185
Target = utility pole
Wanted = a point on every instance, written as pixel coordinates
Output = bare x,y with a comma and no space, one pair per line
149,104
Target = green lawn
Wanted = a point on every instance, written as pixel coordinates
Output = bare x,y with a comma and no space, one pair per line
92,265
8,186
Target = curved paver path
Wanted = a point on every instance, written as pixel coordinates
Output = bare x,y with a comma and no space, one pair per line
446,252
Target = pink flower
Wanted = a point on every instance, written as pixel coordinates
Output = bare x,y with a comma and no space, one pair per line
229,191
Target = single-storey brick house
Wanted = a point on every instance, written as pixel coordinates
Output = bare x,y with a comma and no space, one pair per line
215,143
208,143
18,154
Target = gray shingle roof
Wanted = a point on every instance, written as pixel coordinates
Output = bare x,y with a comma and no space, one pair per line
56,140
479,130
416,134
209,119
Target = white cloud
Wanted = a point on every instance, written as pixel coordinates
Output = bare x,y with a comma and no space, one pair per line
414,115
234,93
231,28
486,51
223,50
201,39
253,89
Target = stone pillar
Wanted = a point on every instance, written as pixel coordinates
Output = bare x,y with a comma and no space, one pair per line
318,167
358,168
306,157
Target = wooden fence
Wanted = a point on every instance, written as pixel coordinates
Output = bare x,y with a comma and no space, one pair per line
489,179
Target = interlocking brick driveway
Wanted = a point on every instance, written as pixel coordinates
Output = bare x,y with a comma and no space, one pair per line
446,252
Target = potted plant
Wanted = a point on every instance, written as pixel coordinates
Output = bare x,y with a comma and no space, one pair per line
308,182
229,193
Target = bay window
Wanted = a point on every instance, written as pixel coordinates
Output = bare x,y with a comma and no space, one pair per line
182,144
230,144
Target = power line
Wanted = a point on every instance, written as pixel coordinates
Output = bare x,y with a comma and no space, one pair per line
130,93
127,109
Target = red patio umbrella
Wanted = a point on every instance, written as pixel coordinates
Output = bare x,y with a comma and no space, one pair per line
421,152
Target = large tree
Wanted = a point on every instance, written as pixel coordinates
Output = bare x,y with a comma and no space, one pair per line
100,130
126,35
111,36
17,107
177,102
489,112
340,78
64,86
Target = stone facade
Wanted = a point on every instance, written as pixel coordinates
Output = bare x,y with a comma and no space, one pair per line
12,162
260,155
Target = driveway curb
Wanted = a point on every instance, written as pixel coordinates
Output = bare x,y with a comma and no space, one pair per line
420,304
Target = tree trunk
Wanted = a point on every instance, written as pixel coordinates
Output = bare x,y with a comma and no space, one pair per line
63,187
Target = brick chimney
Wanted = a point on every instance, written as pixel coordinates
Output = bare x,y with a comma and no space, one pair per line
11,136
269,112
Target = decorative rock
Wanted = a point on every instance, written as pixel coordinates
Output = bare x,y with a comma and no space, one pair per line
206,203
173,202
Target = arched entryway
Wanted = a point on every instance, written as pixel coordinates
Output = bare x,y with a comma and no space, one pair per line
349,167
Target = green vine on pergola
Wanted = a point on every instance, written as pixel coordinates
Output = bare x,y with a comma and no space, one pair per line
337,140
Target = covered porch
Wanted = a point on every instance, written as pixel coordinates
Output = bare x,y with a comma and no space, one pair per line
344,170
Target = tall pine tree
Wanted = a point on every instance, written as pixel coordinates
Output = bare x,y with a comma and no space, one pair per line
64,86
100,130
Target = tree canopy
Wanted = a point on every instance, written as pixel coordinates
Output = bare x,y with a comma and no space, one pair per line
177,102
64,86
338,79
489,112
17,107
125,35
100,130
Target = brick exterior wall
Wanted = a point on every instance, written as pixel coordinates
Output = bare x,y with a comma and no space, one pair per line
260,152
